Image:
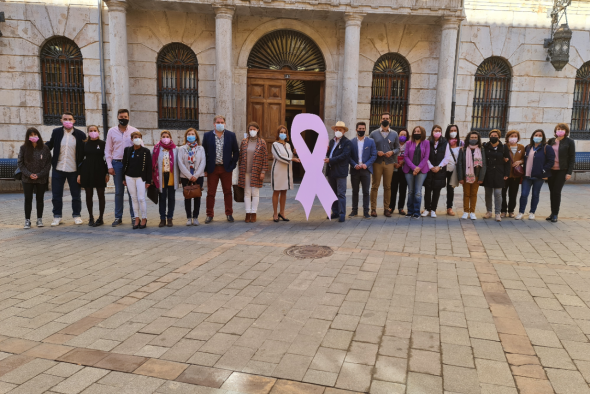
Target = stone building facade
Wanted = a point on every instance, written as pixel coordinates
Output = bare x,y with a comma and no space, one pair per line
351,35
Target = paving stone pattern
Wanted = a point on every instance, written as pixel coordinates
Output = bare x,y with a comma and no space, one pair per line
402,306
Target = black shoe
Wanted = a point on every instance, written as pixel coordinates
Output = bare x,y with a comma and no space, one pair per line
230,218
275,220
554,219
416,216
209,219
117,222
136,226
91,222
284,219
549,218
142,226
353,214
99,222
366,215
341,218
335,216
408,215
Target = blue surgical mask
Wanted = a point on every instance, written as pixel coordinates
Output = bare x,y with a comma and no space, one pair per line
537,140
283,136
219,127
191,138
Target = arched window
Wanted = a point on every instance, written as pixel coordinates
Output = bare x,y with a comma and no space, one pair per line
492,91
178,88
62,77
389,90
581,112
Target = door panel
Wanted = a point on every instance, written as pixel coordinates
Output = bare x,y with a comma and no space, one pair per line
266,106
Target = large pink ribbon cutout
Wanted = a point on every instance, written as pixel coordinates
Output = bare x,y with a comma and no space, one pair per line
314,182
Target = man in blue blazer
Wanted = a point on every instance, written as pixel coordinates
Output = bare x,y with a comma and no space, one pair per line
222,153
362,157
67,144
337,170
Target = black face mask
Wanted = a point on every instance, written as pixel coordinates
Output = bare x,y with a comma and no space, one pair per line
360,133
493,140
416,136
385,123
123,122
472,142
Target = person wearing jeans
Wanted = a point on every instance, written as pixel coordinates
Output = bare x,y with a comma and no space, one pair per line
565,160
165,176
338,160
117,139
497,172
67,144
222,153
416,169
362,157
471,170
137,169
253,167
34,163
191,165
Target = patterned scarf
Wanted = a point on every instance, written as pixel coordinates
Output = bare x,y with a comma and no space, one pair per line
192,152
155,156
472,161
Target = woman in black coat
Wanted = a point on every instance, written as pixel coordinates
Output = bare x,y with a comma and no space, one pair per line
497,171
137,168
436,179
93,174
565,159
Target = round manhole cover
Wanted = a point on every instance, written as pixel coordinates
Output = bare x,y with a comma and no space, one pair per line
309,251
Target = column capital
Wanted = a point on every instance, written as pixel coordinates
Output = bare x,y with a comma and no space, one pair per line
353,18
224,12
117,5
450,22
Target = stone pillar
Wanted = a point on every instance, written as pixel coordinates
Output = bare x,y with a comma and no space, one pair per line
119,58
446,70
350,73
224,103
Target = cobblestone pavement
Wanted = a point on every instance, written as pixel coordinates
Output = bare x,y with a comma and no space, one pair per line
402,306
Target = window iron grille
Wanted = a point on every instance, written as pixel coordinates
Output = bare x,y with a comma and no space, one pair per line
178,88
390,90
490,101
581,111
286,49
62,75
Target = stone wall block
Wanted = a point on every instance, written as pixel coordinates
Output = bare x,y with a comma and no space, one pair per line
142,70
206,72
58,15
87,36
581,41
470,53
522,84
413,36
160,25
31,115
14,11
141,53
91,67
29,32
552,100
425,66
145,120
143,86
374,35
422,96
140,102
19,47
465,82
482,40
498,36
207,105
524,99
423,49
10,29
364,95
90,52
557,85
557,115
92,100
537,35
78,17
177,22
138,34
204,44
206,56
462,98
515,38
37,14
366,78
368,50
207,89
364,112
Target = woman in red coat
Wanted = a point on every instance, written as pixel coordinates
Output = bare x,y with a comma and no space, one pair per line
253,167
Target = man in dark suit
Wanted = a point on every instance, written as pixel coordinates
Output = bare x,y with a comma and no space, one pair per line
222,154
67,144
362,157
337,170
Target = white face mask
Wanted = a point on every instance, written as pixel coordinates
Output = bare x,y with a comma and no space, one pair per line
219,127
338,134
453,134
253,133
137,141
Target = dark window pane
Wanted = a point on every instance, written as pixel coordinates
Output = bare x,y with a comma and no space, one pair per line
490,99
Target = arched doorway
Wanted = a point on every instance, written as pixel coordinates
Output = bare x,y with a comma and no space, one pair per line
286,76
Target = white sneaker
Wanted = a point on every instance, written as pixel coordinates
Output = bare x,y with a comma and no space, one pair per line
195,222
78,221
498,217
465,215
425,213
189,222
55,222
432,214
472,216
27,224
531,216
519,216
39,222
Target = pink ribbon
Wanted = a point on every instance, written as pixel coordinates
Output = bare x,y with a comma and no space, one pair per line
314,182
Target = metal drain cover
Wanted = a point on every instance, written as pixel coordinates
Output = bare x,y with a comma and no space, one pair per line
309,251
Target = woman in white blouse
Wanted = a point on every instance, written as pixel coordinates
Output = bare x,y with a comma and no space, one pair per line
281,178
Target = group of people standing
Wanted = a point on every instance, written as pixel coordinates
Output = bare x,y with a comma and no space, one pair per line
404,162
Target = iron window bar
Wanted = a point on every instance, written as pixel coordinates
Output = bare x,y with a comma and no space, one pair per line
490,101
580,128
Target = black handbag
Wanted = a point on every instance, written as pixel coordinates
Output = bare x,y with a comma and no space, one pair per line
238,193
153,193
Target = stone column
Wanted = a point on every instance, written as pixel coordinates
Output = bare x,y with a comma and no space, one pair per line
224,103
119,58
350,73
446,70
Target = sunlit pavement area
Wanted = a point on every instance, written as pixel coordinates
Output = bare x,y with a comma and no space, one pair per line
438,305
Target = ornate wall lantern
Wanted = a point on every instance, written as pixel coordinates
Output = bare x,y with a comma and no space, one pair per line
558,46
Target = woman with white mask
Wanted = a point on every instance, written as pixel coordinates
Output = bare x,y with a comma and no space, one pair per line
253,167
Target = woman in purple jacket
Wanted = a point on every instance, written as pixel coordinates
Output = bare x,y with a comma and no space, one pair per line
416,168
